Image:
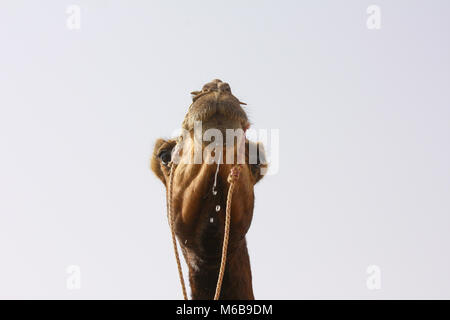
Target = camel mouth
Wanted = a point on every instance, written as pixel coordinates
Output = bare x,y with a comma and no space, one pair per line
216,107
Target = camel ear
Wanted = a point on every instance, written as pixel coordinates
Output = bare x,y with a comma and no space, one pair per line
161,157
258,166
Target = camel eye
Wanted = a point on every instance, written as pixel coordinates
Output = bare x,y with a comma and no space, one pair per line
165,156
255,168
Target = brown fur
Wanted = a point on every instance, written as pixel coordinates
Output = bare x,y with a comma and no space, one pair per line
194,204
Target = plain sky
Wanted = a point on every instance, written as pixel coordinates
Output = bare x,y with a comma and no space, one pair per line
363,116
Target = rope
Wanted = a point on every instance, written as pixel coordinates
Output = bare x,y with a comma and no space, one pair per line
232,179
172,230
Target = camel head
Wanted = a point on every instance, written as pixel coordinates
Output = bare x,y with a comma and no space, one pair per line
212,142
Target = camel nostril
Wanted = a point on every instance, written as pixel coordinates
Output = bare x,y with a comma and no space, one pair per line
224,87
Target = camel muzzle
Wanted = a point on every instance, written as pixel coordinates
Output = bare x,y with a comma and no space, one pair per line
216,107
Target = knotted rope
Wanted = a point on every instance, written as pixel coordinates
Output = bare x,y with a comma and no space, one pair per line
233,177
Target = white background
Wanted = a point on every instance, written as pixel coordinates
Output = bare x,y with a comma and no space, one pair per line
363,115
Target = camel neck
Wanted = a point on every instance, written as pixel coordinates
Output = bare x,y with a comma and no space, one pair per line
237,280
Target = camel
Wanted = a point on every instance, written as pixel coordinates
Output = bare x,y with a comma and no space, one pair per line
199,193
